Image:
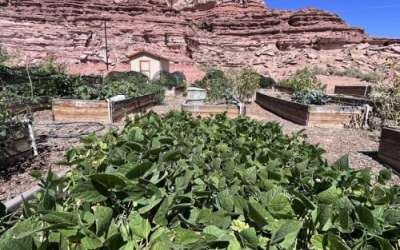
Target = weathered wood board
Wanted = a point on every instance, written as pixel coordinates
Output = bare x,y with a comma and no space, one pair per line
360,91
309,115
389,148
207,110
292,111
69,110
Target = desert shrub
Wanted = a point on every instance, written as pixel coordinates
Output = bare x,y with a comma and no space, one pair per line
304,79
169,80
3,55
177,182
246,82
315,97
219,87
386,98
370,76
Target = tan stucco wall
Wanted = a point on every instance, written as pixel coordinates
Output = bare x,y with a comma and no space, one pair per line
156,65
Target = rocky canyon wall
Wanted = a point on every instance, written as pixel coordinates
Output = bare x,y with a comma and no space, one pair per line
193,34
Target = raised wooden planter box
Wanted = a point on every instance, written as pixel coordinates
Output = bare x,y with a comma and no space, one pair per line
360,91
71,110
42,104
389,148
309,115
207,110
18,146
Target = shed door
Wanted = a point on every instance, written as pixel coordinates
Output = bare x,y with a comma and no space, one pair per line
144,66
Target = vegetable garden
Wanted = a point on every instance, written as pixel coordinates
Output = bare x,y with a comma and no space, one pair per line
178,182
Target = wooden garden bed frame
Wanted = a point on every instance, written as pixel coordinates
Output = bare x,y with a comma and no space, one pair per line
389,148
309,115
207,110
19,145
353,90
42,103
72,110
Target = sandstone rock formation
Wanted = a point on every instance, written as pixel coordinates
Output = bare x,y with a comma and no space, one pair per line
193,33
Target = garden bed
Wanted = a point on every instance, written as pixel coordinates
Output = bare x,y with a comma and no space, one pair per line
389,148
18,146
207,110
330,115
41,104
98,110
353,90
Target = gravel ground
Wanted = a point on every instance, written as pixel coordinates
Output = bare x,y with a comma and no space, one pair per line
54,139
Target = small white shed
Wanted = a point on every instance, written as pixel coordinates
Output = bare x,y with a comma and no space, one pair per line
148,64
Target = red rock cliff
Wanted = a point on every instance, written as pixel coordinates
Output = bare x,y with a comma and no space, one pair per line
224,33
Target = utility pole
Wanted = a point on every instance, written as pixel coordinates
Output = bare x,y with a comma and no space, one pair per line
106,42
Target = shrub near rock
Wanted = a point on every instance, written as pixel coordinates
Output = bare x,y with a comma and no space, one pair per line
177,182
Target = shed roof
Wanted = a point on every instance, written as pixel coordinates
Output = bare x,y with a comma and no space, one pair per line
144,52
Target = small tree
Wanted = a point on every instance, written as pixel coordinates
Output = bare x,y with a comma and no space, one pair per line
246,83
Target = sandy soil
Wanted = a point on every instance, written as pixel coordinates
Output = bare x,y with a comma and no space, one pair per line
54,139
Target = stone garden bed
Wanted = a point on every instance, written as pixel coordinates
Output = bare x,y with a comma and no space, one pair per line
74,110
330,115
389,148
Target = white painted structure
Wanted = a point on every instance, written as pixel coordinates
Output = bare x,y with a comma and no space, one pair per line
148,64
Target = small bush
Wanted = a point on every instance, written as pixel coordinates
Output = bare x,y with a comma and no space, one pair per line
314,97
267,82
219,87
304,79
169,80
386,99
246,82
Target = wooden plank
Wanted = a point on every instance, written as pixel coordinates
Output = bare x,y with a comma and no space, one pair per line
355,90
292,111
208,110
389,148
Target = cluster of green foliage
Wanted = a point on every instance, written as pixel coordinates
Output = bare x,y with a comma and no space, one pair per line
230,86
246,82
304,79
130,84
177,182
315,97
170,80
46,79
219,87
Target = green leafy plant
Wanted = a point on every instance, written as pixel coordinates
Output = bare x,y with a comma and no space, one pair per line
267,82
169,80
178,182
246,82
219,87
315,97
304,79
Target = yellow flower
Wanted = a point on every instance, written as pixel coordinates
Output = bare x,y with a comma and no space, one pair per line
238,225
